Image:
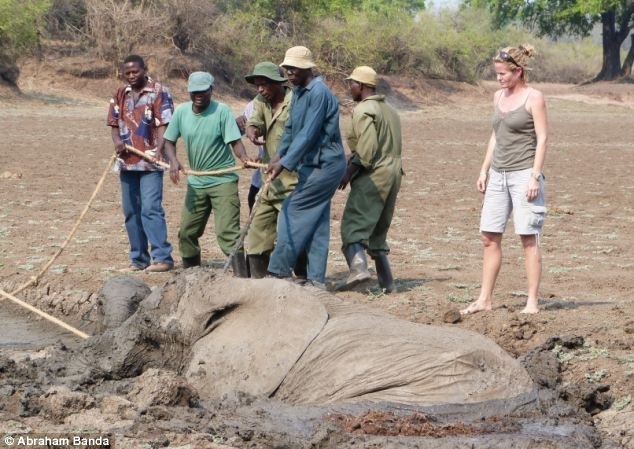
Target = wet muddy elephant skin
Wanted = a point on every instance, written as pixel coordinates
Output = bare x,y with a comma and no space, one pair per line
271,338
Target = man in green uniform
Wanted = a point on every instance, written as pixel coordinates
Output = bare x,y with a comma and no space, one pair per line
265,127
210,132
374,173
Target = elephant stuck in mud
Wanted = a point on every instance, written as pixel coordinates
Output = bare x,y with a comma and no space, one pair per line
269,338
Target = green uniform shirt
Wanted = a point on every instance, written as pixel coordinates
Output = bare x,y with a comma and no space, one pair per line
375,140
207,137
272,127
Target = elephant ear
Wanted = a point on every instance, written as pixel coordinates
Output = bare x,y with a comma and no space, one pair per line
252,334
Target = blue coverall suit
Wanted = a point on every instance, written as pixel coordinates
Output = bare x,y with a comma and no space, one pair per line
312,146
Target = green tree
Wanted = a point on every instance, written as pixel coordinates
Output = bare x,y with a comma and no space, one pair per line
308,10
555,18
20,25
391,6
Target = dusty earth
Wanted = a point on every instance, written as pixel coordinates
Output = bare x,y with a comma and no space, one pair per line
579,348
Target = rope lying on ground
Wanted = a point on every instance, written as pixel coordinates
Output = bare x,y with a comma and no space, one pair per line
245,229
35,279
163,164
44,314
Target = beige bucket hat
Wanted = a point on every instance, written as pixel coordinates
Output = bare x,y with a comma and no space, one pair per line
299,57
364,75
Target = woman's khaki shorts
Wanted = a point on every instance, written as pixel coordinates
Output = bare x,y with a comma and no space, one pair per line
506,193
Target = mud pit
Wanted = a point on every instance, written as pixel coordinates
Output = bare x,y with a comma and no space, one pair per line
578,350
297,365
303,346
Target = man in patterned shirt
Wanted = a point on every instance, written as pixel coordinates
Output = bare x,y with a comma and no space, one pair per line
138,115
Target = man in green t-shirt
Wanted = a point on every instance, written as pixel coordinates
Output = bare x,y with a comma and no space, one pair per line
210,132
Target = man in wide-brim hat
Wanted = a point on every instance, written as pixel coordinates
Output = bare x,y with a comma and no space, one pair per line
265,127
312,146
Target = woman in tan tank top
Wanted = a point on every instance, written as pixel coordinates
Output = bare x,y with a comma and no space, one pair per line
511,177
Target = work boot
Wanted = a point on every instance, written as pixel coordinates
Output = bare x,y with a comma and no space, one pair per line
358,264
193,261
301,268
239,265
259,264
384,272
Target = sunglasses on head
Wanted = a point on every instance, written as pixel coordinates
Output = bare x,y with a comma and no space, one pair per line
504,56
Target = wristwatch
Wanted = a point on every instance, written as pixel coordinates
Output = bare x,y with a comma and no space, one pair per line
537,175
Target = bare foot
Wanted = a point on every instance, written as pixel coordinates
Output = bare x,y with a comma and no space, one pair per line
475,307
530,310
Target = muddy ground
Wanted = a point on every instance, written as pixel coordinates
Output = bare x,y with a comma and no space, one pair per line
579,348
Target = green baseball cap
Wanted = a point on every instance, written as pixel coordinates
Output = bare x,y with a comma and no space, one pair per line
267,70
200,82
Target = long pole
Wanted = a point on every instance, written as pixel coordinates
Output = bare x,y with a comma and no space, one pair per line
245,229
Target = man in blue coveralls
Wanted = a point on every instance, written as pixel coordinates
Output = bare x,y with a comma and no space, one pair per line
312,146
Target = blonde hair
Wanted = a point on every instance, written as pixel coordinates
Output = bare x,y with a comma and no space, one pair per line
515,57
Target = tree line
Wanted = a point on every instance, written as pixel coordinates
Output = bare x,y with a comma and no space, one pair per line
394,36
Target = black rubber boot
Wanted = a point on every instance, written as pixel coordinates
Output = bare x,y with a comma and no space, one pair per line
259,264
193,261
384,272
239,265
301,268
358,264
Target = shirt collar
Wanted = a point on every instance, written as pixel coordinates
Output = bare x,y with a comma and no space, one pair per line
147,88
375,97
310,84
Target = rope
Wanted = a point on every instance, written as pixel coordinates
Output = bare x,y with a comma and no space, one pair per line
221,171
35,279
44,315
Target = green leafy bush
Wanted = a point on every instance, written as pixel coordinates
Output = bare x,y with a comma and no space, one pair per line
20,24
227,37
